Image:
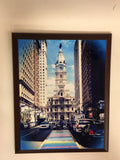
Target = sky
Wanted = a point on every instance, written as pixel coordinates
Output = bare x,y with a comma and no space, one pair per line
52,53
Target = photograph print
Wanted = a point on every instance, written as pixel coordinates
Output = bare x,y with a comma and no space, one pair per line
61,102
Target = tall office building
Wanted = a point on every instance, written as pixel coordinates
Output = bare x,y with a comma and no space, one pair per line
93,76
89,61
41,72
78,74
32,75
26,73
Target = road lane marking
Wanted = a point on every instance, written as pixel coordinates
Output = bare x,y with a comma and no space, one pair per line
60,147
79,146
47,142
28,133
42,143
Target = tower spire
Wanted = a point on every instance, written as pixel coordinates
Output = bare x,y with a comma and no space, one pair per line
60,46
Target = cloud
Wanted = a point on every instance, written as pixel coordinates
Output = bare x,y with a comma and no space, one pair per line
50,86
69,56
70,73
66,43
53,65
50,69
71,67
70,87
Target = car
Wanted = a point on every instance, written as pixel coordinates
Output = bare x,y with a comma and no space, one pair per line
71,124
44,125
52,124
26,125
57,125
82,126
60,124
65,124
89,127
97,129
32,124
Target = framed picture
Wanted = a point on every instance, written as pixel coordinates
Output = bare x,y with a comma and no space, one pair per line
61,92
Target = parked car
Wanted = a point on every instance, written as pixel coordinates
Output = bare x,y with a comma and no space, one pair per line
44,125
60,125
89,127
97,128
52,124
26,125
31,124
82,126
71,124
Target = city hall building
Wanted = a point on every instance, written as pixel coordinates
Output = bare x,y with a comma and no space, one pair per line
61,105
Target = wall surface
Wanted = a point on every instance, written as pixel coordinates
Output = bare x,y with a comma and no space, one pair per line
57,16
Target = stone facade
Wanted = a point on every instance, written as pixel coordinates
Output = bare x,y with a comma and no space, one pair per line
61,105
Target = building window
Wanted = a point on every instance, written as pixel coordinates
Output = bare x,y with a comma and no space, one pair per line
56,102
62,109
61,76
68,115
56,109
56,116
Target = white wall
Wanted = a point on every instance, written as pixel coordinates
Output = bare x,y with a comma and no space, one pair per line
55,16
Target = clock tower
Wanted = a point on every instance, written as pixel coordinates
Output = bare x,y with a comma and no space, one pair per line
61,105
60,73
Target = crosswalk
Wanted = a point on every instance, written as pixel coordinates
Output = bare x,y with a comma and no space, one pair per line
60,139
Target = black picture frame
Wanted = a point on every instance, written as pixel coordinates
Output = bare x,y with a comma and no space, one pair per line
16,81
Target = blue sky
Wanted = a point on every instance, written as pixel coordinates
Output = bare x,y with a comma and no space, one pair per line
68,51
52,52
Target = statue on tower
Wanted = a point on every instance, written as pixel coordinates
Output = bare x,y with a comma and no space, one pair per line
60,46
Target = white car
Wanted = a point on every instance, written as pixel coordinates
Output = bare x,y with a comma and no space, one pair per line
25,125
82,125
44,125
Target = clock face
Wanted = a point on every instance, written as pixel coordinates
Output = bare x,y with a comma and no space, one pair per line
61,68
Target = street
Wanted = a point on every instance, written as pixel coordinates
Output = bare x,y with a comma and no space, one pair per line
36,138
60,139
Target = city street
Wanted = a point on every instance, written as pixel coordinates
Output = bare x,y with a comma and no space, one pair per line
48,139
42,139
89,141
32,138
